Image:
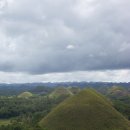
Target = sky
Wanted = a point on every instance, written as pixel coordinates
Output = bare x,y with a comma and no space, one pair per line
64,40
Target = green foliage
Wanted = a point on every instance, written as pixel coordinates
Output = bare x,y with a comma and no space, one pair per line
4,122
13,107
87,110
19,126
28,111
122,105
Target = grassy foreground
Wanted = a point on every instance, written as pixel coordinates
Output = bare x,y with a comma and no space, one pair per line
4,122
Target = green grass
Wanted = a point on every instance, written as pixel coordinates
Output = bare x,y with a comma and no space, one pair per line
87,110
4,122
61,91
118,91
25,95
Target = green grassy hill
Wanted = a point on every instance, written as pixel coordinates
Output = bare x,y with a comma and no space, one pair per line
87,110
25,95
118,91
60,91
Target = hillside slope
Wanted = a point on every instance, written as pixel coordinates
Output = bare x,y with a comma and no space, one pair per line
25,95
60,91
87,110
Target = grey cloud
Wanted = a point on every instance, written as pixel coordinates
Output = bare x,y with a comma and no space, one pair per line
35,35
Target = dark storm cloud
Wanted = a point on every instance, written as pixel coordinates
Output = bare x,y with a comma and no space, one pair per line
44,36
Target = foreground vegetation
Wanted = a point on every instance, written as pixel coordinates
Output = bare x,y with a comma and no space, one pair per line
25,113
25,110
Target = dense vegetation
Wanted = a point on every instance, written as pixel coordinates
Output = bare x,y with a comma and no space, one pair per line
21,108
25,113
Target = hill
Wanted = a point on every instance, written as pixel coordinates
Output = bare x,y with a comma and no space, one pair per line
41,90
25,95
60,91
118,91
88,110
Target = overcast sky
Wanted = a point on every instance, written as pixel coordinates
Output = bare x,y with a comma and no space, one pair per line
64,40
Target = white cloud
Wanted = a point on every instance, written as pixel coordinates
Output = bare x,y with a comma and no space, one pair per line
95,76
70,47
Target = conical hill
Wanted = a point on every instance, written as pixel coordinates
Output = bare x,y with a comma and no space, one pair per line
88,110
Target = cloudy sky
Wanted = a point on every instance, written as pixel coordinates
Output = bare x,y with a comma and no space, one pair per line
64,40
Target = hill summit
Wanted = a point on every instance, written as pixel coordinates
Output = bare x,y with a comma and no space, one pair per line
88,110
61,91
25,95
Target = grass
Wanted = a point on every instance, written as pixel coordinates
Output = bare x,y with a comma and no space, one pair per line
61,91
4,122
25,95
87,110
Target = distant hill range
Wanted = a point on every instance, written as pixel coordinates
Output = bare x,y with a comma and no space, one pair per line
87,110
64,91
15,89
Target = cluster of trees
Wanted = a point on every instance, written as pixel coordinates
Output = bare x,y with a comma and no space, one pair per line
13,107
25,113
122,105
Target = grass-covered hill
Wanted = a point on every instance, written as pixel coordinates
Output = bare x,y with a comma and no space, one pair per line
117,91
88,110
60,91
25,95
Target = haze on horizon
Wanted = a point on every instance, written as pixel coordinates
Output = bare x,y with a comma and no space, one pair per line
64,40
